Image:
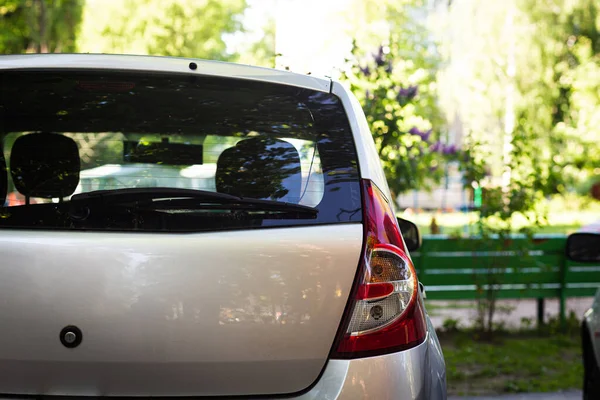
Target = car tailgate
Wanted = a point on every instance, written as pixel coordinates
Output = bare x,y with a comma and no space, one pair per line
225,313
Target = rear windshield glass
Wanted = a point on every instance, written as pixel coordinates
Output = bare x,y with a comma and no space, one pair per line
99,150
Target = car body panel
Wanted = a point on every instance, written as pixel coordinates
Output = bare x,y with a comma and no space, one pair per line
172,314
417,373
368,159
592,322
162,64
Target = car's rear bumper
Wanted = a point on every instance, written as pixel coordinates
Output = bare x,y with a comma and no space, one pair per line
418,373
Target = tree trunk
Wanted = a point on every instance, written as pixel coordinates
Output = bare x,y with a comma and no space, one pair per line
43,27
491,308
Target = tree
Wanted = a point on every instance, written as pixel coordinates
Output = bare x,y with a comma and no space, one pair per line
39,26
260,52
183,28
560,108
522,77
396,86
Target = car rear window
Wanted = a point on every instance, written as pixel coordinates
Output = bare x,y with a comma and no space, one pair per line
69,132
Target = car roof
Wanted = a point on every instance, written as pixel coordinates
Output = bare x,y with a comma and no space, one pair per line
594,227
163,64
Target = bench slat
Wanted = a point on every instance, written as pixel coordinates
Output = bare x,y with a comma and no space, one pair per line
470,279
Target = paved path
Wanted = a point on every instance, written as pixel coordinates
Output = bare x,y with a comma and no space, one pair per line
510,312
568,395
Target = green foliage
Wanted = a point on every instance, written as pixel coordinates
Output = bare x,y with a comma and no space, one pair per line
393,73
553,326
450,325
396,87
183,28
530,104
523,77
13,26
526,323
39,26
560,109
489,280
402,137
261,52
187,28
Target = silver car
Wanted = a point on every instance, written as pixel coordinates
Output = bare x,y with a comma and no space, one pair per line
584,247
279,271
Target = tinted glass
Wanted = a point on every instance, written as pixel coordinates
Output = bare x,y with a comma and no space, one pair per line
70,132
584,247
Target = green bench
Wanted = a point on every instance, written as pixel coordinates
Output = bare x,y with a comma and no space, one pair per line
519,268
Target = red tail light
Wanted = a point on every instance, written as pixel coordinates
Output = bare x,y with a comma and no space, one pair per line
385,313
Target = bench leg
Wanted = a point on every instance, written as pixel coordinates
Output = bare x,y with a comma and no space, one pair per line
540,312
563,311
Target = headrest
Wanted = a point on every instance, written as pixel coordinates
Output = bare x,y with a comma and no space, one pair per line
45,165
3,179
262,168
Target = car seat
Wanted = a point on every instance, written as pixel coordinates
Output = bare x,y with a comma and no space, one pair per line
262,168
45,165
3,179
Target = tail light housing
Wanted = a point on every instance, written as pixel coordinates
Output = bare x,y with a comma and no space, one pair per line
385,313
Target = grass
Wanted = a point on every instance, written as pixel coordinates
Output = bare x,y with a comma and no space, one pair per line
520,362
